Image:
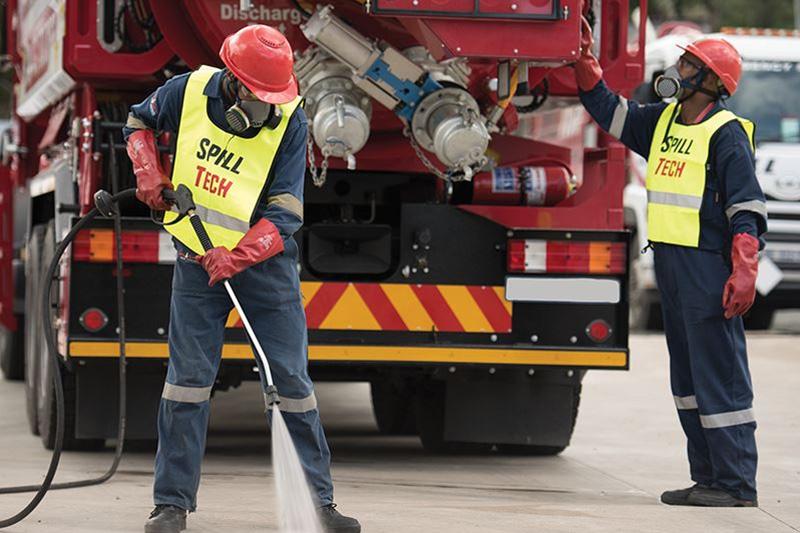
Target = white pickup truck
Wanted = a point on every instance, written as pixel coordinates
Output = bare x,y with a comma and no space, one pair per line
769,95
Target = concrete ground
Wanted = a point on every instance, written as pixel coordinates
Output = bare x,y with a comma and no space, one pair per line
627,448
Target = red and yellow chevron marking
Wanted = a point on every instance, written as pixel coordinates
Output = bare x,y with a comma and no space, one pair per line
403,307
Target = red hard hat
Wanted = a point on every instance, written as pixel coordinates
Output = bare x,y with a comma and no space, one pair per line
721,57
261,58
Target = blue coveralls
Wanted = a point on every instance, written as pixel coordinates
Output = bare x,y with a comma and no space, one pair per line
708,357
270,296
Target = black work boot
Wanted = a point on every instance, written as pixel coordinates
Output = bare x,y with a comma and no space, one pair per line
333,521
166,519
708,497
680,496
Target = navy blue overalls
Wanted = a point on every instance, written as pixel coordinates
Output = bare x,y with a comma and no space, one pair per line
709,373
270,296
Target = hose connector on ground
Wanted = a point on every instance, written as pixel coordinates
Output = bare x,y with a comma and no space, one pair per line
271,396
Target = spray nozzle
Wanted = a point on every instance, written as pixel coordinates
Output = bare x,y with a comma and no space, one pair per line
105,203
180,198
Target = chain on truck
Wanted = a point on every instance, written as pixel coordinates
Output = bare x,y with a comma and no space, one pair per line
462,250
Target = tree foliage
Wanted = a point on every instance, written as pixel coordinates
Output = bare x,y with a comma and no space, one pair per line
714,14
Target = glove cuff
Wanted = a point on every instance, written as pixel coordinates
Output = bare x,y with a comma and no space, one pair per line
744,251
588,72
143,153
261,242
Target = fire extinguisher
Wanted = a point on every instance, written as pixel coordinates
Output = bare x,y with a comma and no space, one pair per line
543,185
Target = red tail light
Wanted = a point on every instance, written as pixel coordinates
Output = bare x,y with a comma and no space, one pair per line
138,246
93,320
598,330
566,257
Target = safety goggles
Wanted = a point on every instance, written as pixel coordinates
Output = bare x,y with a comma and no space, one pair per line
683,63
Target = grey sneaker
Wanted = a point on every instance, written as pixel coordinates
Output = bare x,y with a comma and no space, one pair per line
680,496
166,519
333,521
708,497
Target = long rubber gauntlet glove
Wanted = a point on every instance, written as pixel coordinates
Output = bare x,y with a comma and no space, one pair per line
261,242
740,289
587,69
150,177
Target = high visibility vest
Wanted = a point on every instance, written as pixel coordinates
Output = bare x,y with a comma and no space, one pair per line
676,175
226,173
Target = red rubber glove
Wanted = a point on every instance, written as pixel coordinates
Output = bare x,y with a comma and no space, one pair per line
588,72
261,242
740,289
150,177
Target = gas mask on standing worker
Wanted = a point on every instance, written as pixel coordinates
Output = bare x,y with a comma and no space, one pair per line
668,84
671,85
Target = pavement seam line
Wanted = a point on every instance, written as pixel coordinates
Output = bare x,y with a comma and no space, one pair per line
790,526
631,485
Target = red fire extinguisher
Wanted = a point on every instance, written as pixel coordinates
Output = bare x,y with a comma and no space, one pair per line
528,185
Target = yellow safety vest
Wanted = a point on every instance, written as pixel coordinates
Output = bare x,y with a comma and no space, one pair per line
226,173
676,175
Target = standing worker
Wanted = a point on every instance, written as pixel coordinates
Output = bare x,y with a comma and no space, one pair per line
241,145
706,213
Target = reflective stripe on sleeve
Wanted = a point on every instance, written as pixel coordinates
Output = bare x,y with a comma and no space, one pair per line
685,402
300,405
672,198
211,216
620,116
756,206
135,122
289,202
177,393
731,418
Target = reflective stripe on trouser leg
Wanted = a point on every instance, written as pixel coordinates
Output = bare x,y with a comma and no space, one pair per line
719,372
731,418
680,368
299,405
270,295
177,393
685,403
197,322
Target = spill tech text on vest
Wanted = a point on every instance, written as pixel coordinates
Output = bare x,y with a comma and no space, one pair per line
670,167
221,156
218,156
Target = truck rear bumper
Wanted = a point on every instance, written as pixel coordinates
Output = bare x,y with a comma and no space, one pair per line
422,354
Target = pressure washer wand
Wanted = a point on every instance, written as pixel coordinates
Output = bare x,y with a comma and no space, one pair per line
271,392
182,199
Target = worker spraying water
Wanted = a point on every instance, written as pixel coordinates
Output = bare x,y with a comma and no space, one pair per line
296,509
241,141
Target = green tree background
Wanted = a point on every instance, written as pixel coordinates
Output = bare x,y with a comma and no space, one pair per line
714,14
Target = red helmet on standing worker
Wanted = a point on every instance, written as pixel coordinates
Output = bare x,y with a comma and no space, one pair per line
261,58
721,57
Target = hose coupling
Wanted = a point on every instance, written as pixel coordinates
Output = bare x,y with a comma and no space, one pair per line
271,396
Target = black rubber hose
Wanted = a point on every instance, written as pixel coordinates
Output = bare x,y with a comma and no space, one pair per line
306,14
47,484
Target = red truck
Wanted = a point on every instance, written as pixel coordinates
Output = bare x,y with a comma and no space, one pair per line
462,251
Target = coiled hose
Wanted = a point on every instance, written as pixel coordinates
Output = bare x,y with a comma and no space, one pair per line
110,203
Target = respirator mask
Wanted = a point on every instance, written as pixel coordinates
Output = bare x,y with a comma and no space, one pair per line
246,114
669,84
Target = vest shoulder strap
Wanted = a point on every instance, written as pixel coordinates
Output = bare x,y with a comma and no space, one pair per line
199,79
724,116
288,109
